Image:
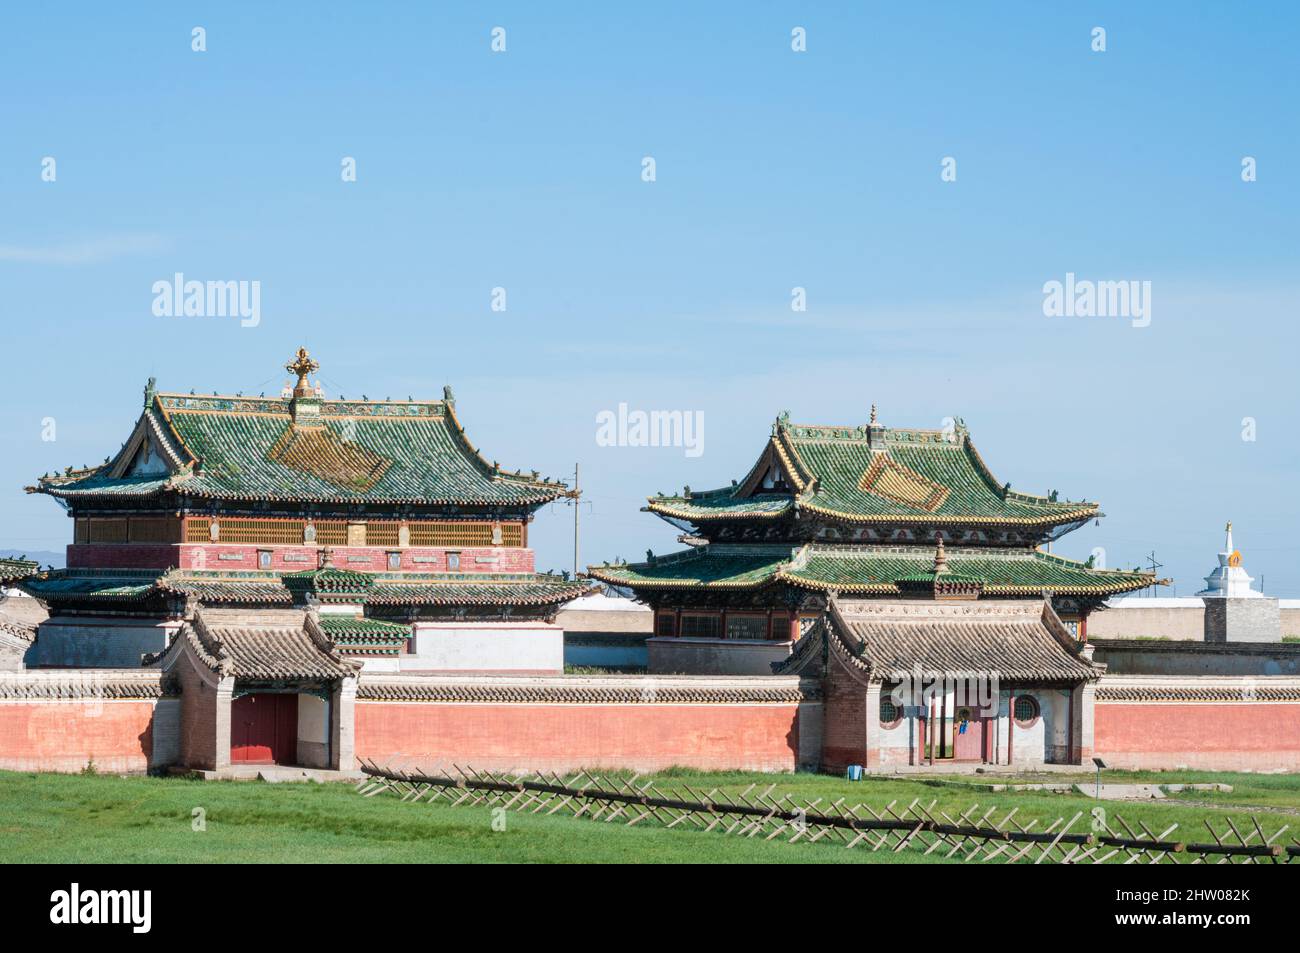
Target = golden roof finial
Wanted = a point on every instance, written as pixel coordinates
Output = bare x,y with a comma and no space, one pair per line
302,365
940,558
873,415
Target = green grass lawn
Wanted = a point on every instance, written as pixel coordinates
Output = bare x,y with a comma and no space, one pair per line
99,818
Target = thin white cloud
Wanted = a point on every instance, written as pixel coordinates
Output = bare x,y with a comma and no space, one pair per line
87,252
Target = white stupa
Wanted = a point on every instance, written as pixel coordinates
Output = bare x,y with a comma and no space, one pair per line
1229,579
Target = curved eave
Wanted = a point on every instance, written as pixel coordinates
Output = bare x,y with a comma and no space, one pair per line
991,589
392,597
183,489
535,500
72,493
63,596
495,473
271,594
694,515
595,572
702,515
1052,519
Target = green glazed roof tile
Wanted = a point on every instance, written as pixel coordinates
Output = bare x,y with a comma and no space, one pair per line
216,587
11,569
712,567
876,474
251,449
872,570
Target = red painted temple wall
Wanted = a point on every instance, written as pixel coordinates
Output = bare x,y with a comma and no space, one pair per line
568,737
117,736
1225,737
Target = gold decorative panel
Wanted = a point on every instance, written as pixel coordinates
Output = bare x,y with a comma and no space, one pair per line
900,484
323,454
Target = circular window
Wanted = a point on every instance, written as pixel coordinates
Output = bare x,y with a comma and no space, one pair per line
1026,710
890,713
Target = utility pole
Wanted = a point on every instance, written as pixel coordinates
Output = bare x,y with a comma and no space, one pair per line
574,494
1151,558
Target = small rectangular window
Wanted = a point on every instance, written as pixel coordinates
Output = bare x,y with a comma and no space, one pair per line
453,562
394,562
263,559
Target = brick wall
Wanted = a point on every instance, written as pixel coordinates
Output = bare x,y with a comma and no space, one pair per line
844,734
67,734
198,719
1212,737
121,556
553,737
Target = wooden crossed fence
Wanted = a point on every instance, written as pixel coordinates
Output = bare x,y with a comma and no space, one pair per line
755,813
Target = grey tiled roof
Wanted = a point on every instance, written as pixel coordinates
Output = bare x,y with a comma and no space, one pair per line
1018,641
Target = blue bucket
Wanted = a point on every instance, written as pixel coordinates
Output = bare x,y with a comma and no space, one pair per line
854,772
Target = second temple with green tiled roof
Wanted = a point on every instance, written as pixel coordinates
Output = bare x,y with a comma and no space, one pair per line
379,515
857,511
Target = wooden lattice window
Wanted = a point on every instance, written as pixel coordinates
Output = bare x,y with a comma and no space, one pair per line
701,626
753,627
335,532
381,534
451,534
666,625
283,532
1026,710
331,533
81,530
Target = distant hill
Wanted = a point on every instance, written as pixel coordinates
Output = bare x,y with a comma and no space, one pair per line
42,556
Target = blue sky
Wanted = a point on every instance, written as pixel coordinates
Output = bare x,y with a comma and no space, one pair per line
775,169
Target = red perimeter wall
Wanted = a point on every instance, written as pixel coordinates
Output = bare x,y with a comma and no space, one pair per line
67,735
1223,737
520,737
117,735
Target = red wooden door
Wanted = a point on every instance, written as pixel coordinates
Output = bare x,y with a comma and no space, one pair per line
264,729
968,735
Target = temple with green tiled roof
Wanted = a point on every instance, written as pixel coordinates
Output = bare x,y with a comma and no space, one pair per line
383,510
853,511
